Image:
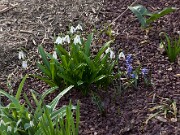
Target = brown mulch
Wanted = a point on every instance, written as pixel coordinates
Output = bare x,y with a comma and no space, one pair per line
25,24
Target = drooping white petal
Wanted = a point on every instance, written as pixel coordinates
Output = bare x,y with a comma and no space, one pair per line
66,39
24,64
2,122
122,56
54,55
108,50
77,40
161,48
72,30
21,55
79,27
59,40
31,123
9,129
112,54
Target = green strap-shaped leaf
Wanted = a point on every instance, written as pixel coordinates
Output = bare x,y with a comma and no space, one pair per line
52,68
66,78
102,50
64,61
87,44
160,14
13,99
44,57
139,11
54,103
20,87
62,51
44,70
46,80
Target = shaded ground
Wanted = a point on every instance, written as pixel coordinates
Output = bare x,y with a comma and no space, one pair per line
34,22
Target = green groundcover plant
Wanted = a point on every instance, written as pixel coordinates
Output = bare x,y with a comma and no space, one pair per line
172,47
74,64
24,119
145,17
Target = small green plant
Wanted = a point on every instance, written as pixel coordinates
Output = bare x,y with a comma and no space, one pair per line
22,118
145,17
75,65
172,47
133,75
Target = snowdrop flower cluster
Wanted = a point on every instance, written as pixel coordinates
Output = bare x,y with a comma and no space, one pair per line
61,40
22,56
112,54
73,29
77,40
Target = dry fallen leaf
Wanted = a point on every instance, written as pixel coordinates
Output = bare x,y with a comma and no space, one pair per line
174,119
177,75
161,118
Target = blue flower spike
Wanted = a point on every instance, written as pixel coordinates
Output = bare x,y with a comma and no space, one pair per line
144,71
129,59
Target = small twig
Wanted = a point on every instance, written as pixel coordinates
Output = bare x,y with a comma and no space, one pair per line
117,18
122,14
7,9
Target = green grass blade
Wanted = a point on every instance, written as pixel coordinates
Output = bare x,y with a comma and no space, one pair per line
160,14
44,57
102,50
54,103
44,70
20,87
87,44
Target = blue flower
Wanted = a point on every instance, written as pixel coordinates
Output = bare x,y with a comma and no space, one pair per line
128,59
133,76
129,69
144,71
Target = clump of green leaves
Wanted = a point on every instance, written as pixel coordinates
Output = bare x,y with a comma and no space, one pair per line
75,65
172,47
22,118
145,17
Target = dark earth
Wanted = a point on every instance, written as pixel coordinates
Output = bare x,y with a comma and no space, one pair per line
24,24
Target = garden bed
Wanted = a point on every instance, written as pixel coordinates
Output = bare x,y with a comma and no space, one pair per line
26,24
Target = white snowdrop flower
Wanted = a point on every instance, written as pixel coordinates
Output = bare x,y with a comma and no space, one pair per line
24,64
54,55
2,122
108,50
31,123
112,54
72,29
77,40
79,27
21,55
161,48
122,56
66,39
9,129
59,40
